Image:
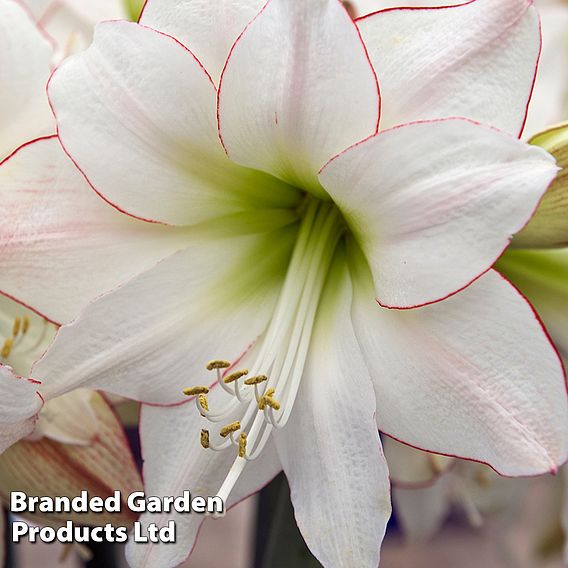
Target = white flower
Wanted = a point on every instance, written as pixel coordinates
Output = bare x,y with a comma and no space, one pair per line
287,232
473,489
24,113
26,54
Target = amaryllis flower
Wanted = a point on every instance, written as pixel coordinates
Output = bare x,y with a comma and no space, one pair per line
25,55
78,441
64,466
469,489
311,213
68,429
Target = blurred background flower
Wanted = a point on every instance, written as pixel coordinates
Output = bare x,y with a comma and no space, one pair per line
79,443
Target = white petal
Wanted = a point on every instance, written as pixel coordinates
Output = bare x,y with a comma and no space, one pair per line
19,405
94,12
37,8
153,336
298,88
422,511
70,32
477,60
434,204
365,7
474,376
174,461
90,12
137,113
61,244
208,28
24,60
330,449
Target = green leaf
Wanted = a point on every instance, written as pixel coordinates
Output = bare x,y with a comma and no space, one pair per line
133,9
549,227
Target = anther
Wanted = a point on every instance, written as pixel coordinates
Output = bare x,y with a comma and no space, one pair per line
256,380
235,376
192,391
267,400
273,403
203,402
243,445
229,429
16,326
26,325
7,348
205,438
218,364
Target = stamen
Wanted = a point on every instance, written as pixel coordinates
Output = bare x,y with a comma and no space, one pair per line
16,326
203,402
218,364
192,391
243,445
26,325
273,403
256,380
235,376
281,354
205,438
229,429
267,400
7,348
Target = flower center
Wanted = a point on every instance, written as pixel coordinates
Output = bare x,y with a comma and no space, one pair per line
262,397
